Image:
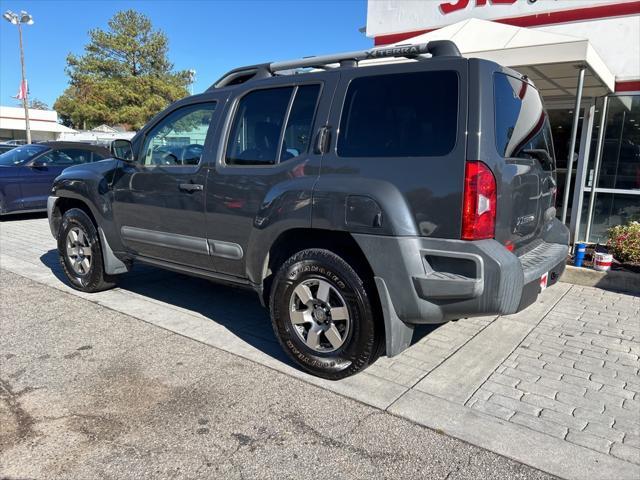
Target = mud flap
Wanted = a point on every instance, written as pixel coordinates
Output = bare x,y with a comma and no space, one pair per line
398,335
112,264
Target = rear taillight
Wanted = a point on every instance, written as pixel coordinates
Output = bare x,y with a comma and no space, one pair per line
479,203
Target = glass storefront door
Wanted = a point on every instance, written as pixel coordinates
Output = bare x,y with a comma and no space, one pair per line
617,192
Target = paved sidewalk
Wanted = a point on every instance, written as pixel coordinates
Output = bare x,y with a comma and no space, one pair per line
554,386
575,376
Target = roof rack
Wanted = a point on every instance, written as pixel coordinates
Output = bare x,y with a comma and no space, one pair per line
436,48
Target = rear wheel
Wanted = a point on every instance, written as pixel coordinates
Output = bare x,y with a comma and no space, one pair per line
81,254
323,315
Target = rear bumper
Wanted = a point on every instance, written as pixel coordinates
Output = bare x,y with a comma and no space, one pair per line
428,280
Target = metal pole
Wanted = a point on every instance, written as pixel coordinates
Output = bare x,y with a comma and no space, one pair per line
25,100
581,171
572,145
596,166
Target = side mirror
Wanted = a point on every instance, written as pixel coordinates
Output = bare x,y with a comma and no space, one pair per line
39,163
122,149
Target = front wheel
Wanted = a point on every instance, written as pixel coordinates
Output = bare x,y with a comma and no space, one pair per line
323,315
81,254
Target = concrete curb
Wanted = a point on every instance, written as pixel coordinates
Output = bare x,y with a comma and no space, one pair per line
616,280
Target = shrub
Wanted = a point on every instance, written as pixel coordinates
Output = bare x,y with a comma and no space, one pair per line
624,242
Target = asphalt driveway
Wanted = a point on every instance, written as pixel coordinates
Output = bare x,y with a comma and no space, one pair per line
87,392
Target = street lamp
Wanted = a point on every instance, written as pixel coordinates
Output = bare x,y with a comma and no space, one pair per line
18,19
191,78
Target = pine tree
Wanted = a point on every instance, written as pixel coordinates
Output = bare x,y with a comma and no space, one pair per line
123,78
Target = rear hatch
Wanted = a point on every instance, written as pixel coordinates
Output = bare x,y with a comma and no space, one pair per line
527,190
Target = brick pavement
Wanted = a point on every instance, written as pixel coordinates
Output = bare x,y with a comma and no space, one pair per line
576,375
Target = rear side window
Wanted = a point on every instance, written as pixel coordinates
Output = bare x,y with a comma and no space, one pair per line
272,125
521,123
297,135
400,115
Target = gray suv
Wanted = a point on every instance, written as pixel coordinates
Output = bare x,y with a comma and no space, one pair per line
358,196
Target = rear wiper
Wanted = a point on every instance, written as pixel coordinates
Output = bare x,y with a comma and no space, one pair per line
542,156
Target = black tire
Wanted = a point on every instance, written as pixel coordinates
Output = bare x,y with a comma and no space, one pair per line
94,279
364,337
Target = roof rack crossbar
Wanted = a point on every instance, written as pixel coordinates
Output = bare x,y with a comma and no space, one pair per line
436,48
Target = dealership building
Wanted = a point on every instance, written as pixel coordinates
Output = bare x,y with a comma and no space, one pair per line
584,58
44,125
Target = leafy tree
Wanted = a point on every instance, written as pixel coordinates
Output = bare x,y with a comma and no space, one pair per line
37,104
124,76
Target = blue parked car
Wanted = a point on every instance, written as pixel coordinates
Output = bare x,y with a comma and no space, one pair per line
27,172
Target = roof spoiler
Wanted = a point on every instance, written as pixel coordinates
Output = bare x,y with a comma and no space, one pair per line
436,48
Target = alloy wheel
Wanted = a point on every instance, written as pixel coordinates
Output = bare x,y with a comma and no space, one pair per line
79,251
319,315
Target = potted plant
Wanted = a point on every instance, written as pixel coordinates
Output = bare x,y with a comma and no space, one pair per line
624,244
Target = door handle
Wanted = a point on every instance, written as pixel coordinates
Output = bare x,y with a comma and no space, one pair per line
322,140
191,187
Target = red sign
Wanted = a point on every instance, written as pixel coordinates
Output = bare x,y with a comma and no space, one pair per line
456,5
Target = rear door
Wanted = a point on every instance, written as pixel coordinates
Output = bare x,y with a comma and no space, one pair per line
267,166
523,138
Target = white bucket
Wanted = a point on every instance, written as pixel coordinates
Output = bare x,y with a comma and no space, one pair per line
602,261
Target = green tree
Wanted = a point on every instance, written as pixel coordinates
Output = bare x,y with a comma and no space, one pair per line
36,104
123,77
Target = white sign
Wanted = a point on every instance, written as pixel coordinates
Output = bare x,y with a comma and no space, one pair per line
386,17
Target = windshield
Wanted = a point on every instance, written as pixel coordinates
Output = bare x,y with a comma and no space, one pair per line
21,154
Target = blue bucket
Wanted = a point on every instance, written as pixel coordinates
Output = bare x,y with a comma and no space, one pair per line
581,248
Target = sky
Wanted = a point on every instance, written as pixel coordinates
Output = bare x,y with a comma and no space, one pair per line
210,36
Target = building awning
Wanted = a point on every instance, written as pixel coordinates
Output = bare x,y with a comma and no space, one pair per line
35,125
551,60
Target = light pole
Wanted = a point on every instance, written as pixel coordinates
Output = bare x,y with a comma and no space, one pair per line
18,19
192,79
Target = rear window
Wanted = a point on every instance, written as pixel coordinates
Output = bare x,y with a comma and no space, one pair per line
521,123
400,115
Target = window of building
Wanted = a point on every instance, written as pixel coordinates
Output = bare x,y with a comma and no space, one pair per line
256,136
620,162
179,138
400,115
616,198
609,209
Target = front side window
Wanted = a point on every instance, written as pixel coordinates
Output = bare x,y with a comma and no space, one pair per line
521,123
400,115
179,138
59,158
79,156
22,154
257,137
